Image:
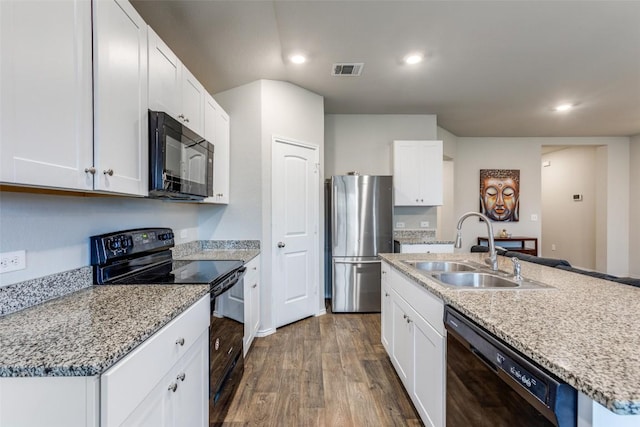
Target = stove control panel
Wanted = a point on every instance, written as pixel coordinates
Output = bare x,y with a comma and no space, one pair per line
111,247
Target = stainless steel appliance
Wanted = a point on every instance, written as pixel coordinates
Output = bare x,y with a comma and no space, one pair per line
143,256
491,384
361,227
180,161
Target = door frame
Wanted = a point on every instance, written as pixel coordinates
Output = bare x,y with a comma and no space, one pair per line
318,307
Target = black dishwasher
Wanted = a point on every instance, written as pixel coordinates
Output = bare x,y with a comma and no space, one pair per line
490,384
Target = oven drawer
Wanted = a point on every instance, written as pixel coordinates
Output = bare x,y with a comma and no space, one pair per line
125,384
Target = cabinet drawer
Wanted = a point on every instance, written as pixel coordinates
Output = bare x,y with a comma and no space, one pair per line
422,301
125,384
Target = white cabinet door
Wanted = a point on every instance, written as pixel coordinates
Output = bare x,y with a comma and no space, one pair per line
402,343
386,311
192,103
45,86
217,131
164,77
121,131
252,302
190,401
429,374
417,173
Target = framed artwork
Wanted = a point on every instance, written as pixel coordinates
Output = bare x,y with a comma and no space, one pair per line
500,194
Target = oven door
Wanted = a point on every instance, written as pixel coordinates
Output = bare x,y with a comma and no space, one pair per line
226,363
181,162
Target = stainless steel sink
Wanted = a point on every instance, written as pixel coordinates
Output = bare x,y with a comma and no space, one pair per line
441,266
478,280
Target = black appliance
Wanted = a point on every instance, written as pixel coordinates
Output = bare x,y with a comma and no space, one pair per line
143,256
180,161
491,384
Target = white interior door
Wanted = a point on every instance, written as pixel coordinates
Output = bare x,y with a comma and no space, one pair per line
295,217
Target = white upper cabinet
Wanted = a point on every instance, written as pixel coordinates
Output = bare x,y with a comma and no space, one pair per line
417,173
164,77
172,88
192,93
121,133
217,131
45,91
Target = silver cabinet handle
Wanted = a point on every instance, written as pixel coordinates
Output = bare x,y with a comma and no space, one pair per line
173,387
281,245
219,194
386,294
181,376
108,172
254,285
90,170
405,316
180,341
186,120
181,116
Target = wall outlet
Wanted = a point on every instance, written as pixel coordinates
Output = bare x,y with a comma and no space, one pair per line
553,246
13,261
399,224
424,224
534,217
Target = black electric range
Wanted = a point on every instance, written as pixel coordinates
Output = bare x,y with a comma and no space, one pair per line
143,256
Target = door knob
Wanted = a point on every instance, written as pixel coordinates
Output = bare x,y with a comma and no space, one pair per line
281,245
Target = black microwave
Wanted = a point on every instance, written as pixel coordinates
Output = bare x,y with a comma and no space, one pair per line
180,161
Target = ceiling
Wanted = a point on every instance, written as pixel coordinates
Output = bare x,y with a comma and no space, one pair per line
491,68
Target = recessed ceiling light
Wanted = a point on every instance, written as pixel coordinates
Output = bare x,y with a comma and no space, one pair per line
413,58
298,59
563,107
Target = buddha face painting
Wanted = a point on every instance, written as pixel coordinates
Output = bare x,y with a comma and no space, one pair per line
499,194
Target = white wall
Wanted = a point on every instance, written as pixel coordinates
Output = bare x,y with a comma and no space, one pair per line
259,111
242,218
634,207
569,226
55,230
362,142
474,154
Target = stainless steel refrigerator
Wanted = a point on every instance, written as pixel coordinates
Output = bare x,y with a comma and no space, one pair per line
360,221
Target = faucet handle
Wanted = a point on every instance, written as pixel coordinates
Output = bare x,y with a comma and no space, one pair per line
516,268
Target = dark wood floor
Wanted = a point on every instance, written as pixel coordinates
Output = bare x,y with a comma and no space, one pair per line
330,370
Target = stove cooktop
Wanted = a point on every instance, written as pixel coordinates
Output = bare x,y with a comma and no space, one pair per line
183,272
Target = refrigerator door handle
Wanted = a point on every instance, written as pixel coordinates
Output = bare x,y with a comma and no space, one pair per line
358,262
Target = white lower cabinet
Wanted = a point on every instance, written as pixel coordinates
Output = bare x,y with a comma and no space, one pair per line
252,303
413,327
164,381
386,319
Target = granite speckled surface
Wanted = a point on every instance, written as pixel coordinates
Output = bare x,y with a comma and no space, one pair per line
243,250
85,332
418,237
584,330
21,295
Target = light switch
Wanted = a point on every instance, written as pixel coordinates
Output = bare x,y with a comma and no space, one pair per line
534,217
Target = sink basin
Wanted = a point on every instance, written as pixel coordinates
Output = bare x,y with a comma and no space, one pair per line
441,266
477,280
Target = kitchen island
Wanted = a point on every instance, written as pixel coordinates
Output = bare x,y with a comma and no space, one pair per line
582,329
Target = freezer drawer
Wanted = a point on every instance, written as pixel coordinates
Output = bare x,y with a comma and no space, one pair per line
356,286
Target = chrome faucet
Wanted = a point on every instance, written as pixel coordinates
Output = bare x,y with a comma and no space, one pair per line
493,256
517,275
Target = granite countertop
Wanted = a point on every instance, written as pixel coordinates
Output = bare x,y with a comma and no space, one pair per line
244,255
582,329
85,332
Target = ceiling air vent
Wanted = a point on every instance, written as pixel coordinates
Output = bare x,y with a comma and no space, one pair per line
347,69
